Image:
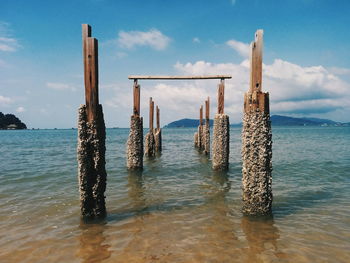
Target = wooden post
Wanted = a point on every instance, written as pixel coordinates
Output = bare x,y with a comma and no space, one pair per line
86,32
91,136
158,133
136,93
151,114
207,110
256,62
90,54
221,140
206,132
150,139
135,139
158,118
221,93
256,99
256,140
201,115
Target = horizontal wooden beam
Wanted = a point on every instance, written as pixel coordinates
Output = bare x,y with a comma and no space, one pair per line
157,77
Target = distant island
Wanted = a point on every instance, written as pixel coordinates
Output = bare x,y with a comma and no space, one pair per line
11,122
276,120
185,123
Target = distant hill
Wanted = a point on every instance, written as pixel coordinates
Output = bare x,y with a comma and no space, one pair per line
279,120
11,122
185,123
276,120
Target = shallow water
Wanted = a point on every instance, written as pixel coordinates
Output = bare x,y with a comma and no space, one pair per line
177,209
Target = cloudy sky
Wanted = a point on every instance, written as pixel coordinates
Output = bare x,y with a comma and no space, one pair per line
306,56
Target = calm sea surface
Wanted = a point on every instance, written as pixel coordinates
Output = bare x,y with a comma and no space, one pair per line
177,209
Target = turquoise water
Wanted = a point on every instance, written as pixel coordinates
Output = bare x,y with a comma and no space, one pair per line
177,209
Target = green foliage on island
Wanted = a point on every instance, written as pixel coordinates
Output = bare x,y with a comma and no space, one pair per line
11,122
276,120
186,123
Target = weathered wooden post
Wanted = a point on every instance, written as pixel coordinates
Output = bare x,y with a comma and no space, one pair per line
195,138
221,140
135,140
200,129
256,139
198,136
206,132
149,139
91,136
158,133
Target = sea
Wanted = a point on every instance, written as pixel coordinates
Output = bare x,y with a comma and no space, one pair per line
177,209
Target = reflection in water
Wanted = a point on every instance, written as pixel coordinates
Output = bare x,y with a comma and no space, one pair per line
221,177
92,243
218,227
136,190
262,236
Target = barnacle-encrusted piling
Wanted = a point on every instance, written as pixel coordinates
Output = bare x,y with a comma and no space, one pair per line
221,142
206,130
256,140
134,149
91,164
91,136
158,133
150,149
221,136
195,138
135,143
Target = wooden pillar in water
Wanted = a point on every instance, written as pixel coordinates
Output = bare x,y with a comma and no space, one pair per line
256,139
158,132
206,131
91,136
200,129
135,140
221,137
149,139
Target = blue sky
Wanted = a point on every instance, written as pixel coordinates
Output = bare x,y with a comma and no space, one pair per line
306,56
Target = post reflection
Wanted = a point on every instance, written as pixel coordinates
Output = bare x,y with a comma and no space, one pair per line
219,209
136,190
262,235
92,240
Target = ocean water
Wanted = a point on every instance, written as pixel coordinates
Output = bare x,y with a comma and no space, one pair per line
177,209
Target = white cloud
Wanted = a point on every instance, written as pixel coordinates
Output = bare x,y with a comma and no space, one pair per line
7,43
339,71
3,64
241,48
20,109
60,86
5,100
196,40
293,89
121,54
153,38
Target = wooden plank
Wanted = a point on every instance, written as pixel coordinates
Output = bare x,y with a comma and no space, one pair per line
91,89
207,109
158,77
221,97
151,113
86,32
136,95
201,115
256,62
158,117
